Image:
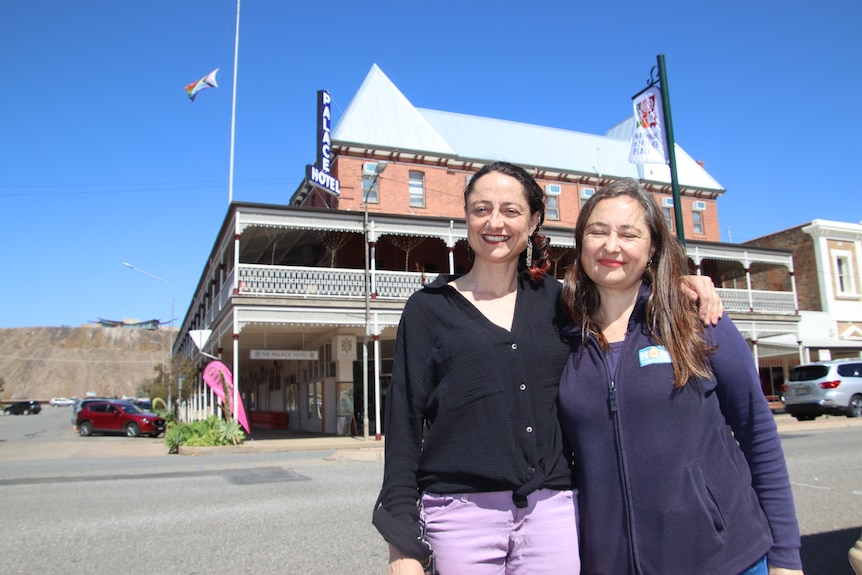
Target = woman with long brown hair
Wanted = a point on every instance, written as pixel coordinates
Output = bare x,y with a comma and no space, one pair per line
678,463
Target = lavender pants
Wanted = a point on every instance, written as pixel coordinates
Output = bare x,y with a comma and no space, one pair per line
485,534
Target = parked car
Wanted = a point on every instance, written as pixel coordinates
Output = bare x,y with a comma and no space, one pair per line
61,401
144,404
79,405
117,416
824,387
23,408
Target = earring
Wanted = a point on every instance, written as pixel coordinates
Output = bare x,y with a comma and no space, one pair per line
529,252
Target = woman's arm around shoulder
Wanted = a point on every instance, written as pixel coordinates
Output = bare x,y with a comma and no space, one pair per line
702,290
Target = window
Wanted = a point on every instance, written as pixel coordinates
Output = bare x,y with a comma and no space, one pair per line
417,189
697,222
667,212
291,397
842,267
850,369
552,208
586,194
668,217
370,183
552,201
315,400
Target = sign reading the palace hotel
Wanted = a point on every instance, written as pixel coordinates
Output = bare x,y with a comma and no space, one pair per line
319,172
286,354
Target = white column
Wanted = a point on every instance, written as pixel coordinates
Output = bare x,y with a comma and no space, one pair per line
378,433
235,369
372,243
748,286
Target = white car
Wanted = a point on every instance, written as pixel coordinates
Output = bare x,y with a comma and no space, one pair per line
833,387
61,402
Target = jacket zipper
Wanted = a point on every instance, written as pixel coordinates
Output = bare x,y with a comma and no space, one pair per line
613,407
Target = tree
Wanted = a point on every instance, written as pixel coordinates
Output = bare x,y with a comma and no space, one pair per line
182,369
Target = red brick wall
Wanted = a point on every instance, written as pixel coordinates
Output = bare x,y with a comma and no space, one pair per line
804,264
444,195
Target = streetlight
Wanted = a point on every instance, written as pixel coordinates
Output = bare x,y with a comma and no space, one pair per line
378,169
171,324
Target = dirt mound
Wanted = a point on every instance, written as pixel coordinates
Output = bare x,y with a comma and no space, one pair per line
44,362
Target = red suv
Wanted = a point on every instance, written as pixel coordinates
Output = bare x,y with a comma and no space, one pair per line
109,416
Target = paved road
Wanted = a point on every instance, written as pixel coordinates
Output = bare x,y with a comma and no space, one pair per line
106,505
288,505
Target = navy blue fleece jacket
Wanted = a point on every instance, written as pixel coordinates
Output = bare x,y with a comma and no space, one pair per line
675,481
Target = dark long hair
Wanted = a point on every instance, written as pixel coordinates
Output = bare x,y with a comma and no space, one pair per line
670,315
541,259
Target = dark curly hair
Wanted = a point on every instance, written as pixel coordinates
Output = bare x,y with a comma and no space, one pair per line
541,259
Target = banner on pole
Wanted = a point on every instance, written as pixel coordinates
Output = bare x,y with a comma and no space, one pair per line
648,133
218,377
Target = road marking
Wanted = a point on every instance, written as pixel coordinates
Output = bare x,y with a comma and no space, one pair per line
810,485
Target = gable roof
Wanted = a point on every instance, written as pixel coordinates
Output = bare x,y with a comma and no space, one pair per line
379,115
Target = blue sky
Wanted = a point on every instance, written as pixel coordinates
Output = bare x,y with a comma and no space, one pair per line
103,160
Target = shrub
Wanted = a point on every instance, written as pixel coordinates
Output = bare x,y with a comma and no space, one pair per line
210,432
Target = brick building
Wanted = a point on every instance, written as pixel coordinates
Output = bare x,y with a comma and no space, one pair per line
302,300
828,257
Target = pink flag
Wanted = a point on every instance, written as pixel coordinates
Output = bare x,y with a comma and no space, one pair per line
214,374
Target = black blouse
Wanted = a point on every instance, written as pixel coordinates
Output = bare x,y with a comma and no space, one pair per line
472,407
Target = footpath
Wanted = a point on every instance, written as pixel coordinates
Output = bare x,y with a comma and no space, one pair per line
371,449
274,441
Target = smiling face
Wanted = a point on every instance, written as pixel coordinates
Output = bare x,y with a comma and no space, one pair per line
616,244
498,218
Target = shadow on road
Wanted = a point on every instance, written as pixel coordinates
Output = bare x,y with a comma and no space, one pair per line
826,553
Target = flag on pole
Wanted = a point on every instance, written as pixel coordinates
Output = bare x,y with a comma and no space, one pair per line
208,81
648,133
218,377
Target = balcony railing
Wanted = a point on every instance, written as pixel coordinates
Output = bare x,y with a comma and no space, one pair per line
342,283
336,283
758,301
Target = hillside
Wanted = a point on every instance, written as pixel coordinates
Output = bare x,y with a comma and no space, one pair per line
44,362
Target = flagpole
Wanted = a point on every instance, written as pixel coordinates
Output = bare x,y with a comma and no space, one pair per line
671,149
233,108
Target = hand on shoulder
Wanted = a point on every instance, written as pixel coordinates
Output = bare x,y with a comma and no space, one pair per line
700,289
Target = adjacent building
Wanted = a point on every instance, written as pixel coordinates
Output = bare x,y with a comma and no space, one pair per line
828,259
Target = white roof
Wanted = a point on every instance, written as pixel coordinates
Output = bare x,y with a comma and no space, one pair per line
379,115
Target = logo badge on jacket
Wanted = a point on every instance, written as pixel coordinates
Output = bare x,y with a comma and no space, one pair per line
653,354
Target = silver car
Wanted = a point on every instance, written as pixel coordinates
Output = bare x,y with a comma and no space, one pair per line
833,387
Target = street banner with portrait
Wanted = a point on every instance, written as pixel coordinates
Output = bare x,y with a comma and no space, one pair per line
648,131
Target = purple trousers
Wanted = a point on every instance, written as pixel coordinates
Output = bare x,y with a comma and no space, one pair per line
485,534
